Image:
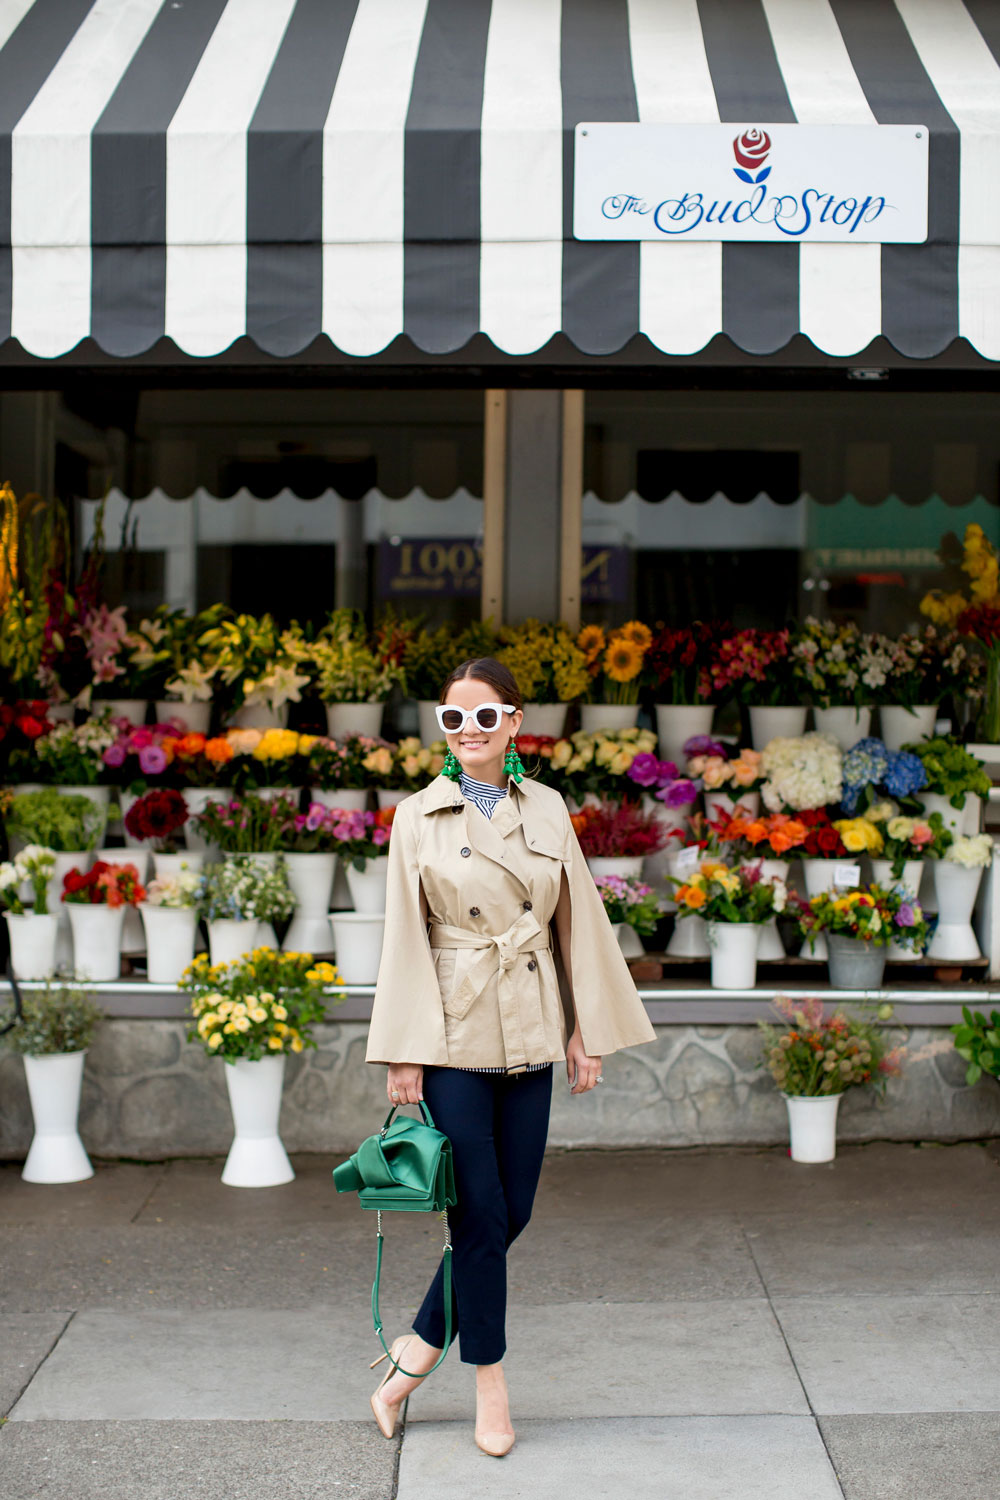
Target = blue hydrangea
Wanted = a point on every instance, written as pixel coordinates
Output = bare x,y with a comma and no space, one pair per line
865,765
905,774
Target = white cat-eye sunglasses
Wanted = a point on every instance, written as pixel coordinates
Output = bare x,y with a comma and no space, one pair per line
486,716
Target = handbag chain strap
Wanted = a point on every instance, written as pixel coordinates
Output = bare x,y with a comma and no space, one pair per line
377,1316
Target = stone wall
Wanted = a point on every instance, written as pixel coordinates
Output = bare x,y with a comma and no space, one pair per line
148,1094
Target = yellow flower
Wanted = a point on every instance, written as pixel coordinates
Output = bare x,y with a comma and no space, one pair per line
854,840
279,1012
241,1023
379,761
943,609
314,976
296,1044
620,762
591,641
206,1022
229,1028
225,1008
623,660
275,1043
215,1040
239,1009
258,1014
635,631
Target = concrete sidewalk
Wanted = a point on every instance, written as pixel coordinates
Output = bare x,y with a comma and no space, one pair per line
685,1325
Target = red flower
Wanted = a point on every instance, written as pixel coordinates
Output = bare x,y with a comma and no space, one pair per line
751,148
157,815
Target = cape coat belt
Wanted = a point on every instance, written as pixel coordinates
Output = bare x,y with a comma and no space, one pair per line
500,954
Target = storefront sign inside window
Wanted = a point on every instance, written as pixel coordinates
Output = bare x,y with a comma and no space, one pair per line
448,567
843,184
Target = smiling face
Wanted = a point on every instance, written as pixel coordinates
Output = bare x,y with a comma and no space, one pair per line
479,753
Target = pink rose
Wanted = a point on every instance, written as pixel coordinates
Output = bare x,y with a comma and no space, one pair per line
751,148
715,773
152,760
922,834
114,755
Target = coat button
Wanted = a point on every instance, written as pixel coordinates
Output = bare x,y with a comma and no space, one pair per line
532,964
457,808
526,905
466,852
473,911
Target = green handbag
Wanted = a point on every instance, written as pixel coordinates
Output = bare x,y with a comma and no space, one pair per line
407,1167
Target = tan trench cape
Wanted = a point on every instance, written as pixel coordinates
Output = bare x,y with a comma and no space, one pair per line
471,974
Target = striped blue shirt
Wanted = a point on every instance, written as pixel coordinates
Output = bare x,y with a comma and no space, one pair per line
486,796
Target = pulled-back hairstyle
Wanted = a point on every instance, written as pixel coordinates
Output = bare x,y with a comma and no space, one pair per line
486,669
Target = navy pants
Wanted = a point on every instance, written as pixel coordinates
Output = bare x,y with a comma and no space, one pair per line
497,1124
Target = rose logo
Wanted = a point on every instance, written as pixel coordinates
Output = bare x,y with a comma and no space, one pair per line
751,149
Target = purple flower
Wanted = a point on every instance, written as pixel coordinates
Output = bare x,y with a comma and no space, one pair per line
152,760
380,836
678,794
906,916
314,817
645,769
703,744
667,771
114,755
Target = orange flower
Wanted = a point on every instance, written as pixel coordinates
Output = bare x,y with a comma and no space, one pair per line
579,821
756,832
218,750
692,896
190,744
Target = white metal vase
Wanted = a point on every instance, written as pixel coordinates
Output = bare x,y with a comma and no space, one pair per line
230,939
260,716
194,716
32,944
812,1125
132,709
170,936
676,723
349,798
903,726
629,940
354,718
543,719
311,879
257,1157
65,861
594,716
626,866
97,940
357,942
847,725
368,886
56,1153
770,946
956,889
196,799
733,948
782,722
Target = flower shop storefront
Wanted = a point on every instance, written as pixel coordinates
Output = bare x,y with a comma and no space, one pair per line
336,382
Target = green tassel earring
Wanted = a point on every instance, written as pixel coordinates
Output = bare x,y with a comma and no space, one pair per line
451,768
512,762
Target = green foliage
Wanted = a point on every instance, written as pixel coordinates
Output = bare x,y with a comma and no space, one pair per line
56,1019
978,1041
66,822
951,770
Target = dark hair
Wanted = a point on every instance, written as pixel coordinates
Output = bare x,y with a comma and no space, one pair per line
487,670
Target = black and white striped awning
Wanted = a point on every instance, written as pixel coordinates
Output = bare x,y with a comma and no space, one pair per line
207,170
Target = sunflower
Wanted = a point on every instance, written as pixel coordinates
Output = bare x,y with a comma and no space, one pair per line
635,631
591,641
623,660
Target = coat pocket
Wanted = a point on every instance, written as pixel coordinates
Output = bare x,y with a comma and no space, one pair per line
452,965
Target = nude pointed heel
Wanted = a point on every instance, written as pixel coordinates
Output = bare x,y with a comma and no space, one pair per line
386,1417
495,1444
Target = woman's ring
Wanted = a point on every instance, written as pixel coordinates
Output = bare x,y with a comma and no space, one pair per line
599,1078
395,1093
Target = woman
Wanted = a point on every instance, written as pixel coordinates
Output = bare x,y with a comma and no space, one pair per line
475,1002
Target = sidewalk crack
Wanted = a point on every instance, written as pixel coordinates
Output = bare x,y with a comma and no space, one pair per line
798,1374
164,1166
41,1363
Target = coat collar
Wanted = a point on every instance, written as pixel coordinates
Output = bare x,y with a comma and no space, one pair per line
443,792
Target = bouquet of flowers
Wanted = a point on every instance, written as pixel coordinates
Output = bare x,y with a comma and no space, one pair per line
429,656
66,822
249,824
860,835
21,725
973,606
801,772
614,660
245,890
73,755
103,885
719,769
822,840
332,764
629,901
197,760
359,836
950,770
871,772
598,761
614,830
351,668
870,913
255,660
266,757
415,765
973,851
177,892
267,1002
929,665
761,838
137,756
33,865
159,817
662,780
813,1052
913,838
841,666
680,662
720,894
546,661
756,667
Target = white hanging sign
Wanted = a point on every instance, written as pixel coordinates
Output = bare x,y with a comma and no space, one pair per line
843,184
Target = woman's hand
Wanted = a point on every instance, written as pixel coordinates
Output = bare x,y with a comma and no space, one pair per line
581,1071
406,1080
